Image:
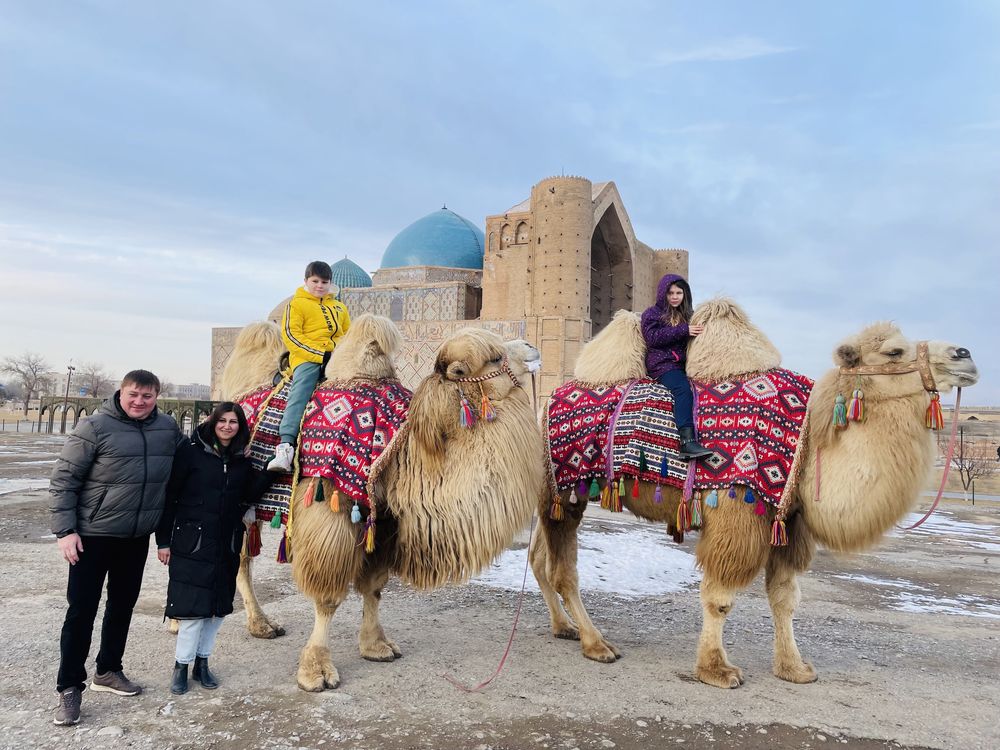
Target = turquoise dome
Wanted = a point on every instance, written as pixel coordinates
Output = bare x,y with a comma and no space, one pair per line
442,238
349,275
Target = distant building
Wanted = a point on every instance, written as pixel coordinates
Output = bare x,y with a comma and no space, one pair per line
192,391
552,269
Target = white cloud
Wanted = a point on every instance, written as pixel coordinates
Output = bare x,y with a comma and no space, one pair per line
729,50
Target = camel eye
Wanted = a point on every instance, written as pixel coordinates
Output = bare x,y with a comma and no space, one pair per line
894,353
497,359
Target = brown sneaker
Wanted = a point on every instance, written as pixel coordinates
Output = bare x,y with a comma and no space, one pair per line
115,682
68,712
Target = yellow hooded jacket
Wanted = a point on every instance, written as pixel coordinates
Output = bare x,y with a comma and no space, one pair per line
312,326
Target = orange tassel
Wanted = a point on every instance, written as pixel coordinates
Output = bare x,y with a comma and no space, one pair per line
556,511
486,410
934,419
335,502
310,495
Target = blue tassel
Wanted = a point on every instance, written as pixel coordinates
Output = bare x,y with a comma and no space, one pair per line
355,514
749,498
712,501
732,491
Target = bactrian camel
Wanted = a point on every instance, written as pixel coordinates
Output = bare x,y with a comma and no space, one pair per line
449,496
872,473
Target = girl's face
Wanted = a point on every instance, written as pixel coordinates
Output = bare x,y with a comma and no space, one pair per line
227,427
675,296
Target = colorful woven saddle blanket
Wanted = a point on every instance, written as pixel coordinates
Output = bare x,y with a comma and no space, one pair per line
634,418
263,408
345,429
752,427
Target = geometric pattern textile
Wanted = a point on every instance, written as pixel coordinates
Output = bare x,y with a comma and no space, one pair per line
263,425
645,433
752,427
576,421
345,429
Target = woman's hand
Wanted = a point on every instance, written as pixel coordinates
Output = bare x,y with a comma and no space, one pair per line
163,555
695,330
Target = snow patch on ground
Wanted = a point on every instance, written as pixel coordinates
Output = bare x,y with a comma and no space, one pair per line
19,485
635,563
908,596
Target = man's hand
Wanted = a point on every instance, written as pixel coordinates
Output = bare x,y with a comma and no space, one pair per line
163,555
71,546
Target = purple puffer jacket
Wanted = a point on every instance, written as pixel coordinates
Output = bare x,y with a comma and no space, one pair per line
666,345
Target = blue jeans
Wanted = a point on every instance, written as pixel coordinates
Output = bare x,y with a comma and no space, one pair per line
680,389
196,638
304,379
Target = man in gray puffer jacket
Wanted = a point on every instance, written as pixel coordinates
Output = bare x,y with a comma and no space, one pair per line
108,492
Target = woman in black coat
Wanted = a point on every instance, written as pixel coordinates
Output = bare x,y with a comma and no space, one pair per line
200,537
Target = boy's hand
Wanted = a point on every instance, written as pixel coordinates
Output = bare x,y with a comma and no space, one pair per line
696,330
71,546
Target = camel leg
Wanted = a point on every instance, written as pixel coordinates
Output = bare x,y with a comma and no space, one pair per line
562,625
560,572
372,641
783,594
713,666
316,671
258,624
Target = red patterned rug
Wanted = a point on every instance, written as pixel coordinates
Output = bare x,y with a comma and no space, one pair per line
263,412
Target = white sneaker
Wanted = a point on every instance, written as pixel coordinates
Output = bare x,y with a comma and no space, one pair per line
284,454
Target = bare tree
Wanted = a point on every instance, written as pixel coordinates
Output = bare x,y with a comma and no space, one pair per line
167,388
93,378
972,461
29,369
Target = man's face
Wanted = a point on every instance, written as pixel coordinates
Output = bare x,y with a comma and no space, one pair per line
317,287
138,401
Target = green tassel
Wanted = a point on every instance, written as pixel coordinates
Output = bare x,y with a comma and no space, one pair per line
595,489
276,520
643,466
319,490
621,486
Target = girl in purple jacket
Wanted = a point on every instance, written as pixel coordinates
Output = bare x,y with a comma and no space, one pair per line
666,330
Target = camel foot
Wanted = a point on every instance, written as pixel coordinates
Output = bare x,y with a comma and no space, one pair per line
601,651
264,627
380,650
801,673
316,671
722,676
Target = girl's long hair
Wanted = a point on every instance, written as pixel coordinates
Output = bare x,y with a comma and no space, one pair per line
242,436
682,313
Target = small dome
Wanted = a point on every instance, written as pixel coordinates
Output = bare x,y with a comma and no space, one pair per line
349,275
442,238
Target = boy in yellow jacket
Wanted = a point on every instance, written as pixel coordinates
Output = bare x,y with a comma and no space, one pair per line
312,325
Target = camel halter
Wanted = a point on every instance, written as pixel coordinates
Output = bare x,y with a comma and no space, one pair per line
467,417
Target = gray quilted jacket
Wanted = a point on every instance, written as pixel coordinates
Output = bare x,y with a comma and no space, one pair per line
111,477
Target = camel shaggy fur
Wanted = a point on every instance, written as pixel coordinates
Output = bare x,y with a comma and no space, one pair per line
448,499
871,476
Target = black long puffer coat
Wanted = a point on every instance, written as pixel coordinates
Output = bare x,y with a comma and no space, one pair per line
209,491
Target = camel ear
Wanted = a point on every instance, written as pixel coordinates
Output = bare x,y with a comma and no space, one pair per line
847,355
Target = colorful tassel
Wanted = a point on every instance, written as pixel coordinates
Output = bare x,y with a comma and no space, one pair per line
556,510
617,507
276,521
712,501
839,413
606,497
284,548
683,517
658,495
573,499
466,417
779,535
635,487
486,410
748,497
307,499
696,510
335,502
253,540
370,535
934,419
595,489
732,492
355,514
856,409
759,508
621,486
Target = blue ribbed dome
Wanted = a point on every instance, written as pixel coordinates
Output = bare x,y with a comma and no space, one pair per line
349,275
442,238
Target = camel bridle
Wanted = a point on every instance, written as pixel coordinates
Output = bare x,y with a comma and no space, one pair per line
503,369
921,364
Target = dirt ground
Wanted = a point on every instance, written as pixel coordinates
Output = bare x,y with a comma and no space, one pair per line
906,640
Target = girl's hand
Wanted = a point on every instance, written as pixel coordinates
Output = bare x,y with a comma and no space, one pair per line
163,555
696,330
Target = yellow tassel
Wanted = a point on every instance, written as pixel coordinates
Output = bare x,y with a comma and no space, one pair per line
934,419
556,511
370,537
606,497
335,502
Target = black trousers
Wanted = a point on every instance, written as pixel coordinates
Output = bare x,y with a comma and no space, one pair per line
680,389
121,561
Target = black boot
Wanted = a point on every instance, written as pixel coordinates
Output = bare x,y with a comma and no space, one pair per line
203,674
691,448
179,685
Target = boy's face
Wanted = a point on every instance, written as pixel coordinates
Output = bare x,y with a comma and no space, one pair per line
138,401
316,286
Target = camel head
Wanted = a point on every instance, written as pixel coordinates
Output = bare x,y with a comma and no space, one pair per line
366,351
884,344
731,346
616,354
472,363
254,360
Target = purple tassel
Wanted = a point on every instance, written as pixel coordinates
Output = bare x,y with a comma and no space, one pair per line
732,491
658,495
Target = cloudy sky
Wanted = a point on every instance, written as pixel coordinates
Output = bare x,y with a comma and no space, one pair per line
169,167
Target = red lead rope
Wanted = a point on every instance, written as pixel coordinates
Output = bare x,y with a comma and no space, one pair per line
947,463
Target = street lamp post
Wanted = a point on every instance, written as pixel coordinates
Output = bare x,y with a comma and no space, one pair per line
69,376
